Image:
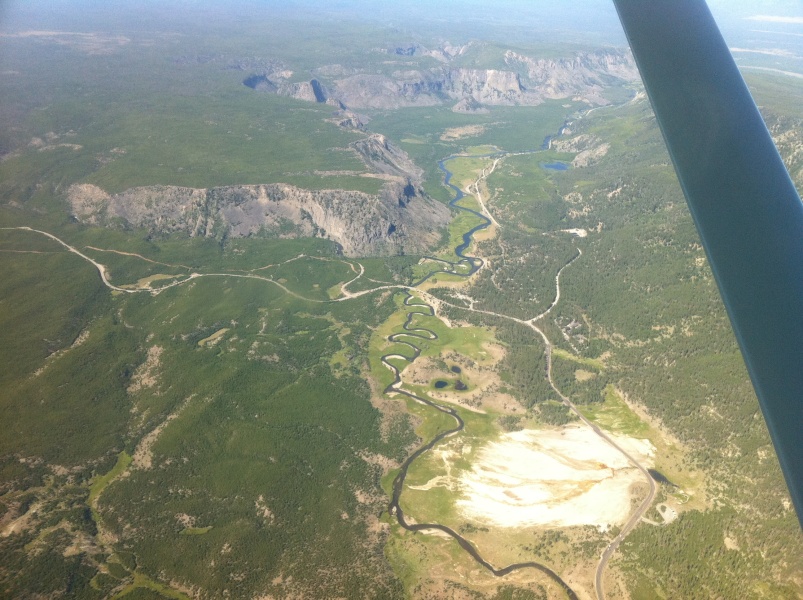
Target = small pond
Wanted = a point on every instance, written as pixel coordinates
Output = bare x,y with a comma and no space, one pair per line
556,166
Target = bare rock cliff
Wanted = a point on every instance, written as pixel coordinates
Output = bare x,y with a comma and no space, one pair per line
400,220
525,81
585,74
380,155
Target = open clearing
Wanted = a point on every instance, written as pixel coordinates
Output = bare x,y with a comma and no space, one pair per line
563,477
457,133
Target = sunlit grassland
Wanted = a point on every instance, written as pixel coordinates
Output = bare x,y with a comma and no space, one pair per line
461,223
125,270
779,93
614,415
101,482
415,556
20,242
199,254
466,340
310,277
436,505
466,170
512,129
144,588
195,530
595,363
380,346
522,181
481,150
455,276
391,269
424,559
625,128
462,448
469,202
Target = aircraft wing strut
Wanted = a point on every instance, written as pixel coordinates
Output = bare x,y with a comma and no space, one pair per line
744,204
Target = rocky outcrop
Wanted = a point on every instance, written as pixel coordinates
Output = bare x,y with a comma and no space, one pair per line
349,120
444,54
409,88
585,74
300,91
488,86
383,157
260,83
311,91
526,81
588,148
400,220
431,88
469,106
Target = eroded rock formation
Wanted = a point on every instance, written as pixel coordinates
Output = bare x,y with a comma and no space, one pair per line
526,81
401,219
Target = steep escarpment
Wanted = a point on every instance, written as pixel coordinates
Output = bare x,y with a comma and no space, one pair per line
401,219
522,80
585,74
311,91
379,154
433,87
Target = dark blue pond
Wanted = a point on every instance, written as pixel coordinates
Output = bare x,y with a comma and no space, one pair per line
556,166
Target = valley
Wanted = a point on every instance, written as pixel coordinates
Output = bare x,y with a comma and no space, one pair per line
394,319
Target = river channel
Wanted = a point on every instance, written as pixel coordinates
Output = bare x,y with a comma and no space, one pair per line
420,308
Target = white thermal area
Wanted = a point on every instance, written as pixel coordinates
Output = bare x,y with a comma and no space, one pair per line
560,477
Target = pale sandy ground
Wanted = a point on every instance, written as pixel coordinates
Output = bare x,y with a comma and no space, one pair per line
562,477
457,133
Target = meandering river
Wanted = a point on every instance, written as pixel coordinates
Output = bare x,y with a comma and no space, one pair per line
474,264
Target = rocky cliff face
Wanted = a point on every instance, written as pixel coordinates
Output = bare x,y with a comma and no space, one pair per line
379,154
586,74
444,54
410,88
401,219
527,82
274,81
489,86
